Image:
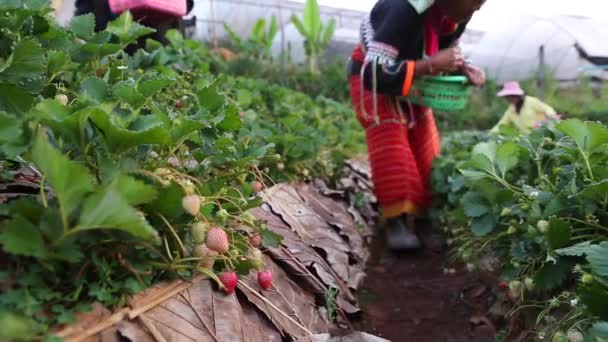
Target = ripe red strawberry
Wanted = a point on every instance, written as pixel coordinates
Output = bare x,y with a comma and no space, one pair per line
178,104
191,204
256,240
265,279
503,285
257,186
229,280
217,240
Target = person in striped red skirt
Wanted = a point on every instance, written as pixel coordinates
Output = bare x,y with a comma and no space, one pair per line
402,40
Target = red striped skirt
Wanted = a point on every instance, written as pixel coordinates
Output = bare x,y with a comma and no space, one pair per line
402,142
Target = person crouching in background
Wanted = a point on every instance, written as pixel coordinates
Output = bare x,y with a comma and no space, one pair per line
525,112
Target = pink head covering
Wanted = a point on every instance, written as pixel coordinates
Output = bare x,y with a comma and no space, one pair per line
511,89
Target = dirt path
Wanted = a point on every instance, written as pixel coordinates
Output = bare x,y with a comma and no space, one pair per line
409,298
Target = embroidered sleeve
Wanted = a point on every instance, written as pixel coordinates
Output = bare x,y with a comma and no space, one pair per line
396,23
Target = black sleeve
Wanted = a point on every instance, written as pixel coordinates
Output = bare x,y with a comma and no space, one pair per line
101,10
448,40
394,25
84,7
190,4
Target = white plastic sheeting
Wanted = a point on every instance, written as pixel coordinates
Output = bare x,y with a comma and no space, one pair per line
241,15
513,53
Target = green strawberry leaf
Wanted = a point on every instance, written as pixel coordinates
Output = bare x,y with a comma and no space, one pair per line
595,298
507,156
552,275
597,332
182,127
10,129
108,209
70,126
127,93
27,66
94,89
170,203
483,225
14,100
596,191
210,98
473,204
69,180
18,328
270,238
231,120
578,250
134,191
588,136
243,267
20,237
559,233
83,26
58,62
119,139
597,256
126,29
151,87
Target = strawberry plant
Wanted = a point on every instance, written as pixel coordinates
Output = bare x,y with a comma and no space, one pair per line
128,180
537,204
144,165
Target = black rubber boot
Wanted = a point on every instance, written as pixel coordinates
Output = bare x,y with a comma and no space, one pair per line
400,235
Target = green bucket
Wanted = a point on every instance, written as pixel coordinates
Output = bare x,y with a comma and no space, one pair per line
442,93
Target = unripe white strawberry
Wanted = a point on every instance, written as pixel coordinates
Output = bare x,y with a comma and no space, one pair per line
198,232
62,98
206,254
174,161
575,336
222,214
255,255
542,226
515,290
529,282
191,204
217,240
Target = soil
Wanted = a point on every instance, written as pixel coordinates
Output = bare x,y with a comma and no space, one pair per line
408,297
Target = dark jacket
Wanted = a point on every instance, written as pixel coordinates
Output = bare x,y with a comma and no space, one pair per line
392,35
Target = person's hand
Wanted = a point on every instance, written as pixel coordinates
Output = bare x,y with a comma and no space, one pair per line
447,61
475,75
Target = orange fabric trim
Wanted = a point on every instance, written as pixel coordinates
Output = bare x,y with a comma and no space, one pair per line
409,78
400,208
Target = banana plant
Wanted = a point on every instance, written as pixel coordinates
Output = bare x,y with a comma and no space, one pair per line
259,42
317,34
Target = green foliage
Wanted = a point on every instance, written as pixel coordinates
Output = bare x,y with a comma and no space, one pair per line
584,100
117,141
537,203
259,43
317,35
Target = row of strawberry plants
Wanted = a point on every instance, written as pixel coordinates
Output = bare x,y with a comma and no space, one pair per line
146,164
534,209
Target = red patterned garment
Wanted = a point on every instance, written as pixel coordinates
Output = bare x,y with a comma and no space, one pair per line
402,138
